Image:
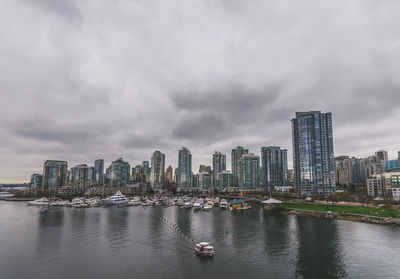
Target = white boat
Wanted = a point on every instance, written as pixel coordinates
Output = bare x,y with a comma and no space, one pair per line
188,204
42,201
198,205
59,203
223,204
134,202
206,207
117,198
93,202
5,195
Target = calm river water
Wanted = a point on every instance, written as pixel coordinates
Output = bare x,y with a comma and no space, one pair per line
156,242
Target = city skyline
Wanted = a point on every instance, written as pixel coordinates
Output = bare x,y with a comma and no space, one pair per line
158,77
391,157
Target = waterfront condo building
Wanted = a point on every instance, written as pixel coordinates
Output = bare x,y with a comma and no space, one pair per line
99,171
273,167
54,174
357,171
147,170
313,156
184,168
195,181
205,182
343,170
219,165
157,171
236,155
249,166
169,175
225,180
36,181
119,173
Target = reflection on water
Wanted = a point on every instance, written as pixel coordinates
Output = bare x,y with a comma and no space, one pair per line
319,253
157,242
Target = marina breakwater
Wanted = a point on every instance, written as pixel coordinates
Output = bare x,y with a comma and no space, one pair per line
346,216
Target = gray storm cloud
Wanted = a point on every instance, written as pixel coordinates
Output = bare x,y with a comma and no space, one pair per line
81,80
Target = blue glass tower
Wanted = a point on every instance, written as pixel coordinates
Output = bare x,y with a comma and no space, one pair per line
313,156
99,171
273,167
184,168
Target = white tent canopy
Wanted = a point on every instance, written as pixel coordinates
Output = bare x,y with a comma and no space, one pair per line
271,201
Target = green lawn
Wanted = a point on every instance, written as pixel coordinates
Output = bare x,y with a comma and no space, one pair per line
381,212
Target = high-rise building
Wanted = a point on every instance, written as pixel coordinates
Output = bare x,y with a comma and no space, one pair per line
235,160
169,176
375,185
107,179
343,169
79,173
54,174
176,175
357,171
204,168
373,166
184,168
36,181
273,167
313,156
219,165
99,171
225,179
392,165
119,173
195,181
290,177
147,171
138,174
205,182
381,155
157,171
249,166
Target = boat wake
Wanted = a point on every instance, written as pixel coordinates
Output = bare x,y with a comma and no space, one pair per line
176,230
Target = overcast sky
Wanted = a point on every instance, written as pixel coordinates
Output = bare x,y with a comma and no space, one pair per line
81,80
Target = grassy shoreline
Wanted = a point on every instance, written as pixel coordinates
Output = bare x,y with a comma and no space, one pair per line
368,211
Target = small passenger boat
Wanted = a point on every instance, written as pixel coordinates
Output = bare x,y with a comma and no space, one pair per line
204,249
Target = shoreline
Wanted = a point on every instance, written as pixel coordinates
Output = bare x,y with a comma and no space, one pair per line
345,216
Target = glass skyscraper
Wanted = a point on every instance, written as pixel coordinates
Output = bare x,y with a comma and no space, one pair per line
157,171
249,166
219,165
313,156
273,167
36,181
184,168
236,155
99,171
119,173
54,174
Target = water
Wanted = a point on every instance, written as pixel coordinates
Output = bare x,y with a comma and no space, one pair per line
156,242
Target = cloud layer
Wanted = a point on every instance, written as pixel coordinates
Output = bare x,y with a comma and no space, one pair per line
81,80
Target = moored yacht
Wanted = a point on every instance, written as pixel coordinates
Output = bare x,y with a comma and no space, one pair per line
207,206
118,198
188,204
223,204
42,201
135,201
198,204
